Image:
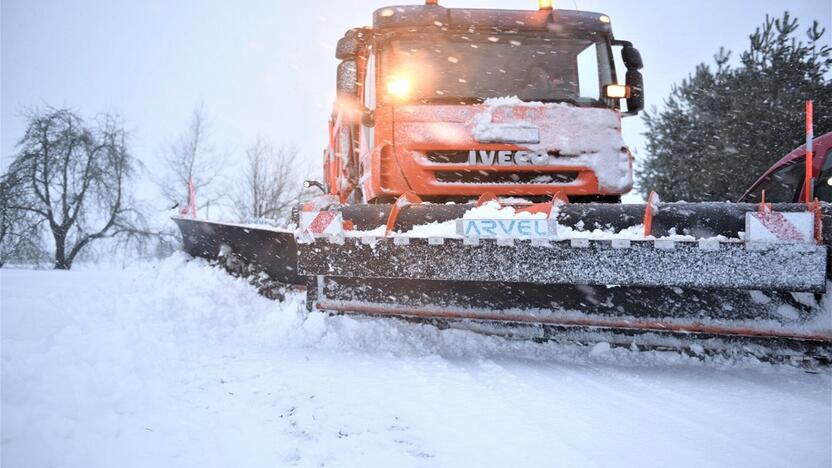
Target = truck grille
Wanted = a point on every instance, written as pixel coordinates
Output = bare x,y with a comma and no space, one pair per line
447,157
487,177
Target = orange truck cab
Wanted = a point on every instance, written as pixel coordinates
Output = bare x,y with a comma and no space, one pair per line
449,104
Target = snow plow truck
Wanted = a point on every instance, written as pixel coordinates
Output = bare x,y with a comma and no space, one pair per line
473,179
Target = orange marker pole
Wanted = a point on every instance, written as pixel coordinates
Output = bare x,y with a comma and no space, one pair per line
808,189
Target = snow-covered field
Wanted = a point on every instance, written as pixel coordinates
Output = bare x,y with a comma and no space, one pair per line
177,364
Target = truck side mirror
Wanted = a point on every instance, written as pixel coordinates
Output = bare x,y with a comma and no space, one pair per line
634,79
349,45
632,58
346,79
635,103
314,183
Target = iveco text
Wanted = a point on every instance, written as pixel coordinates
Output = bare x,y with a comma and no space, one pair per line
508,158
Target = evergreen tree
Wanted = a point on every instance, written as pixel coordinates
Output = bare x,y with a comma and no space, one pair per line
723,126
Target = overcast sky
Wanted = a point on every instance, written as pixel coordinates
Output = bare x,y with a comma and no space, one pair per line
266,67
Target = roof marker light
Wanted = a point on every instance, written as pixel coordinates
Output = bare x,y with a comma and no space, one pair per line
604,19
431,2
544,4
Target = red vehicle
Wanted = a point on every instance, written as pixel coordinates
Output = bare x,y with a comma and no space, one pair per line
784,181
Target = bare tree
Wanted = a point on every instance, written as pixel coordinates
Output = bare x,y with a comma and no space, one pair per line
191,158
20,230
271,182
75,180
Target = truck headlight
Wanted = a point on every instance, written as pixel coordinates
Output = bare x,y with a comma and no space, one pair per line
399,87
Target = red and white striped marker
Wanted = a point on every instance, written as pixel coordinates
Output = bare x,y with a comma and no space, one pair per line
778,227
320,223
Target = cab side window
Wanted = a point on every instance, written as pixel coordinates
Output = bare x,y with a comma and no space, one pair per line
589,79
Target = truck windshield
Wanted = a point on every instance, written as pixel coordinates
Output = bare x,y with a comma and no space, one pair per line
474,67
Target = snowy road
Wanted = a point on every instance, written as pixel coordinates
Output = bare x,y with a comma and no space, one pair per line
176,364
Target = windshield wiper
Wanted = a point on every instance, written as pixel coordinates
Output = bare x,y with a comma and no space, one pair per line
452,100
560,100
477,100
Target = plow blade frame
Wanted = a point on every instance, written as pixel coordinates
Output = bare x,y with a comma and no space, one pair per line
725,265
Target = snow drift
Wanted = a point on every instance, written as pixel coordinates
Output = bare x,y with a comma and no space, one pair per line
178,364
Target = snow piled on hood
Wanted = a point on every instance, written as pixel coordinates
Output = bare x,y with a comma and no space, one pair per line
586,137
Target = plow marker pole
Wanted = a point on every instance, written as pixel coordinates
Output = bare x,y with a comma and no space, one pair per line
808,186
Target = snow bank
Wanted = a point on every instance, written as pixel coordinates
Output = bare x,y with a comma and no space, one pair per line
178,364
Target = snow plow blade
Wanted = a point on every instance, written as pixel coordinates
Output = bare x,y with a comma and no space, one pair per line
720,295
726,295
259,248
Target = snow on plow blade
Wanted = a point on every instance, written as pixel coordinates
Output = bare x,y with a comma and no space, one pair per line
707,265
